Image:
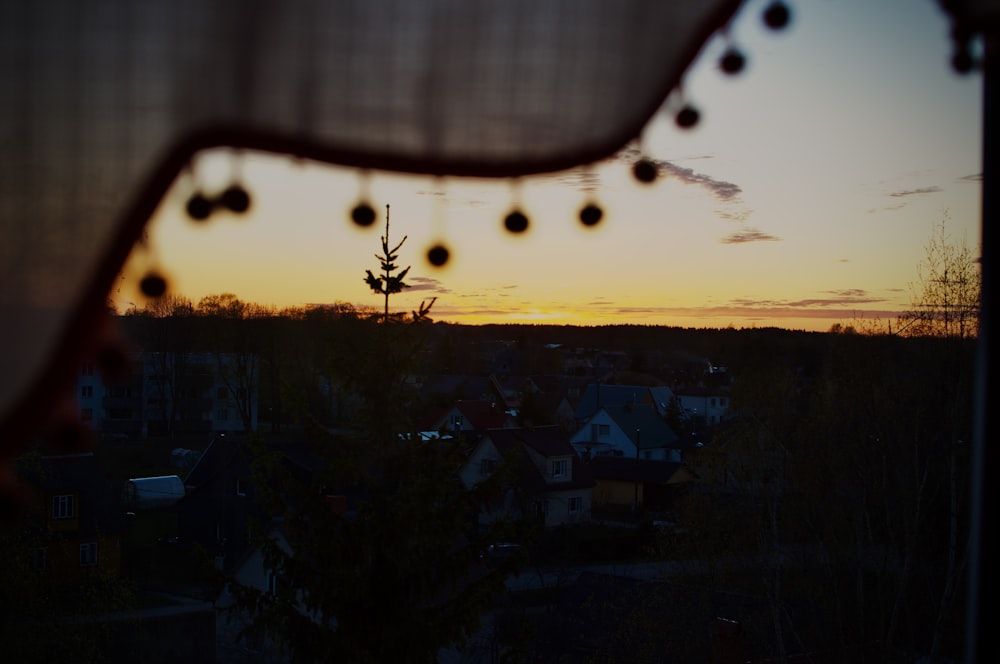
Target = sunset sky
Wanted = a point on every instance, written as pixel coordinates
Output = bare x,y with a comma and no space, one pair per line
804,198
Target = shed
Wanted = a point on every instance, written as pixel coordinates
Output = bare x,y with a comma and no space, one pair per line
153,492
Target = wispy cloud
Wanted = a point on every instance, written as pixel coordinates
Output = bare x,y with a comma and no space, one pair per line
739,216
839,298
920,191
886,208
425,284
749,235
724,191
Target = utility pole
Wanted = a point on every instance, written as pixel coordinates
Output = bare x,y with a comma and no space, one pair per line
635,499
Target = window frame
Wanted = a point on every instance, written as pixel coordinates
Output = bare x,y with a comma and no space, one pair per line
88,554
560,468
63,506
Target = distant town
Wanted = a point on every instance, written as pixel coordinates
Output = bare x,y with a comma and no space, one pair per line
706,495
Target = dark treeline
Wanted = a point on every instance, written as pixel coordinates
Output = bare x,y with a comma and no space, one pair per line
301,351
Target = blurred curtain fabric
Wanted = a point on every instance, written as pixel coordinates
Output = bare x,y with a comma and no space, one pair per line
103,101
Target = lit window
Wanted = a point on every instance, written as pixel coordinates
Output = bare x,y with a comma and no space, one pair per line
88,554
63,506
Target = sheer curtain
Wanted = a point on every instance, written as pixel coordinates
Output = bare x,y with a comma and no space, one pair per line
104,102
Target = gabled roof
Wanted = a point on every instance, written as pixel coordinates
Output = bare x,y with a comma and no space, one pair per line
548,441
548,404
223,452
233,453
479,414
661,396
482,414
641,421
598,395
510,389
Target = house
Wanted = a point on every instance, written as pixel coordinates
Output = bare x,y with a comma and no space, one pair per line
549,481
572,387
509,390
222,505
218,502
598,395
704,405
539,408
80,517
466,417
550,399
632,430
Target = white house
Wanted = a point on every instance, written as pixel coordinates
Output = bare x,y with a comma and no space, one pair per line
549,481
704,405
634,430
